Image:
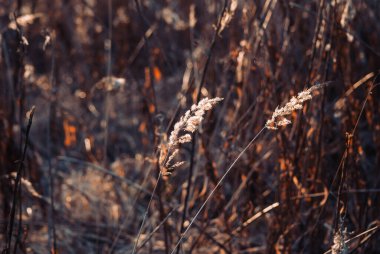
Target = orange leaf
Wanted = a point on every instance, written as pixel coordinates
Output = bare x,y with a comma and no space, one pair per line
142,127
70,133
152,108
282,164
147,82
157,73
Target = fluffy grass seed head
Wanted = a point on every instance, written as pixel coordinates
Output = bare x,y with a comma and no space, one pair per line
190,122
339,242
296,103
181,134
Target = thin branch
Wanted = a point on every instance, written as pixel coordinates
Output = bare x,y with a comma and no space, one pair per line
17,181
215,188
194,139
146,213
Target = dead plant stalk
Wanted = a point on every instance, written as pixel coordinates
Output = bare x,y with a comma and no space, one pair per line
278,119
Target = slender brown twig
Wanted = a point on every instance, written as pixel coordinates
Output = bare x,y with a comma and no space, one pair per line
52,109
17,182
215,188
194,138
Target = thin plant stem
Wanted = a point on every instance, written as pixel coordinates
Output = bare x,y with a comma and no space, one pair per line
349,143
21,98
341,162
18,182
194,137
108,48
215,188
156,228
128,216
146,212
51,113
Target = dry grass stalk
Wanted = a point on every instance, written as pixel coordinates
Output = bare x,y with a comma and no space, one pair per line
295,103
181,133
187,124
340,246
228,15
278,119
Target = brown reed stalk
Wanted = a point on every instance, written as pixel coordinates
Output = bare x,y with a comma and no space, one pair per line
188,124
278,119
223,21
17,182
52,115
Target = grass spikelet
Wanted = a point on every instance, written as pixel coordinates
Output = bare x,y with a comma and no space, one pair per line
340,246
295,103
181,134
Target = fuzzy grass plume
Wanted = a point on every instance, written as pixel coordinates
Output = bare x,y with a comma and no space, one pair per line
277,119
187,124
182,131
296,103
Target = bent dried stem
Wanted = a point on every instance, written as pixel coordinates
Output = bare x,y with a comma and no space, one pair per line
214,189
276,120
181,133
188,123
295,103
